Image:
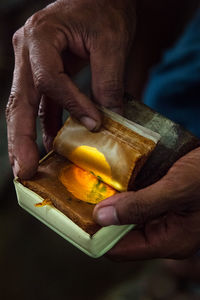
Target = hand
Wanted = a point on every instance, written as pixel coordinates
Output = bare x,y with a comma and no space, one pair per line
167,214
95,31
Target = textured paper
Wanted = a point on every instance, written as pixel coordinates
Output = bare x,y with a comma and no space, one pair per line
116,153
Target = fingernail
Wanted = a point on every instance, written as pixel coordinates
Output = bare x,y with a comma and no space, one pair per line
107,216
89,123
16,168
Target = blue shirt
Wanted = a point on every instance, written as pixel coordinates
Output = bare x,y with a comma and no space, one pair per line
174,85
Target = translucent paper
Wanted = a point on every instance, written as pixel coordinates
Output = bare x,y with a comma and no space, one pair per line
115,154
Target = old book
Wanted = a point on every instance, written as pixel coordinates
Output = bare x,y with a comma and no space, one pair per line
83,169
71,217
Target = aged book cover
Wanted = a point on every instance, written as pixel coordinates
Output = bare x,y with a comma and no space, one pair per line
73,219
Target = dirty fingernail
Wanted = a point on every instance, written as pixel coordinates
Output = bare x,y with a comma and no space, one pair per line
16,168
107,216
89,123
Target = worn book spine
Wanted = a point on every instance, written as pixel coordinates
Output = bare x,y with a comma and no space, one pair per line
175,141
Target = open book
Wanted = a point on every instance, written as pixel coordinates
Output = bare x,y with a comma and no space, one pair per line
122,148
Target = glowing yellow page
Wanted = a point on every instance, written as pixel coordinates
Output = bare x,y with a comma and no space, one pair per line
84,185
90,159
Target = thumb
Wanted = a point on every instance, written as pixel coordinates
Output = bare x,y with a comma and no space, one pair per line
135,207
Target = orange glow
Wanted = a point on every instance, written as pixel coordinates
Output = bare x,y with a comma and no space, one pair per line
84,185
91,159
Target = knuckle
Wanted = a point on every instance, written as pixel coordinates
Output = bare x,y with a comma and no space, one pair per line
138,211
17,37
11,106
35,23
34,20
169,182
134,213
40,82
72,106
112,89
117,38
128,217
43,81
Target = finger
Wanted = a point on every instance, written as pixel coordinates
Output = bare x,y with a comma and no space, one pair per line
21,114
133,246
107,66
51,80
167,237
50,115
136,207
72,63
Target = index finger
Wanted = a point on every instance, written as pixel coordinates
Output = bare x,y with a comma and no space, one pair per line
51,80
171,236
21,114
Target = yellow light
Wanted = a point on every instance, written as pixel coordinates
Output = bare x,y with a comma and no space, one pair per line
90,159
84,185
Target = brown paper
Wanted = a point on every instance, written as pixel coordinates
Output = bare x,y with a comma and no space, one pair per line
46,183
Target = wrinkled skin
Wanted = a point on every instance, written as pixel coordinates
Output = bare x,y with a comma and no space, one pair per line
92,31
167,214
54,44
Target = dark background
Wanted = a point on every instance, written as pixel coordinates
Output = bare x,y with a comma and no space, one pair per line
35,263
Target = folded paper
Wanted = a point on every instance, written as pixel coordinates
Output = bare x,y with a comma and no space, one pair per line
115,154
83,169
87,167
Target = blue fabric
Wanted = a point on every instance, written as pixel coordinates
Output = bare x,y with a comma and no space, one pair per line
174,85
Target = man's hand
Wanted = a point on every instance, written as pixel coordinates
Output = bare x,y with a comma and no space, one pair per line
96,31
167,214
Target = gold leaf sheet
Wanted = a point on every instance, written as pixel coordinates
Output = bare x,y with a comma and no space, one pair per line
115,154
